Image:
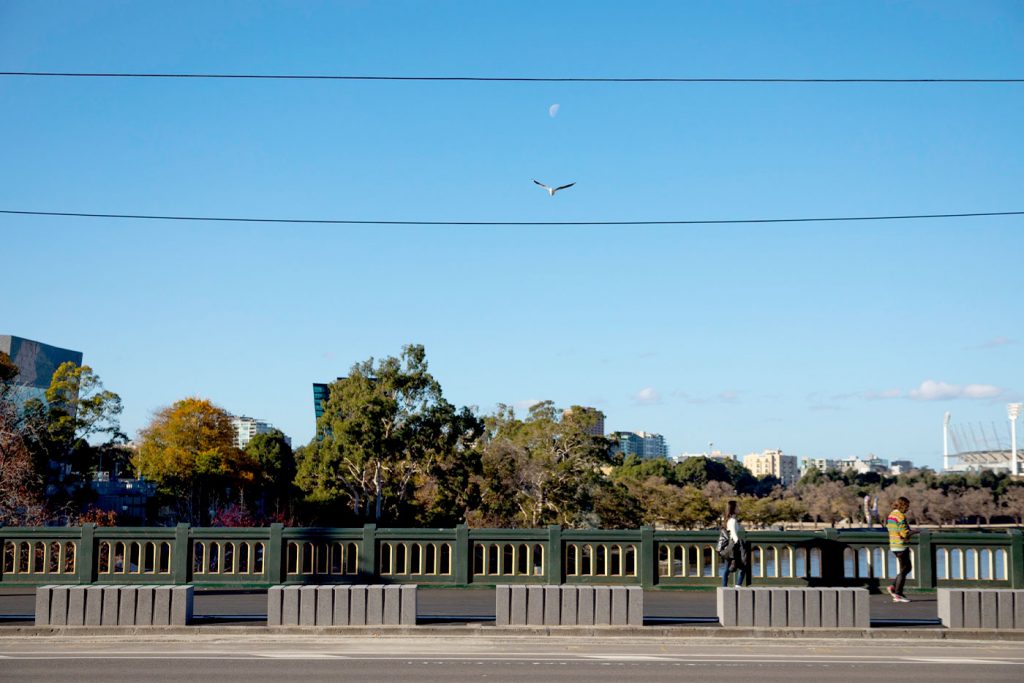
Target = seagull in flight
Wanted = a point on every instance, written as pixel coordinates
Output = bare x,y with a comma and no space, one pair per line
553,190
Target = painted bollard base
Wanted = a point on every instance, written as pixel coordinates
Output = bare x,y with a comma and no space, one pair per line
360,605
978,608
801,608
114,605
569,606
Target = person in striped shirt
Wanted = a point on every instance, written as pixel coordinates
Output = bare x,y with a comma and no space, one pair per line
899,538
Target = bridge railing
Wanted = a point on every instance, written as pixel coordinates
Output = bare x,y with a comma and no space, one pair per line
265,556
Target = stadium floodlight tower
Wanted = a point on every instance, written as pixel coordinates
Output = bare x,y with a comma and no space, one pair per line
945,441
1013,412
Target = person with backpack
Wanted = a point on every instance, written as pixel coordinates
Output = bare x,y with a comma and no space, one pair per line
733,549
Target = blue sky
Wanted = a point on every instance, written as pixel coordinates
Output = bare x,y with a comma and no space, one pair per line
825,340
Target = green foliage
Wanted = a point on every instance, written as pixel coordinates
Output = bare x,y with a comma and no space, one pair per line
387,432
700,471
188,450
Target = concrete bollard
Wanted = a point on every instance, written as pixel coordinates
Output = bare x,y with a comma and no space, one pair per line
977,608
793,607
568,605
44,596
144,605
76,606
359,605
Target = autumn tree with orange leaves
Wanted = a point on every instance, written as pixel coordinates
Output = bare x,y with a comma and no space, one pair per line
188,450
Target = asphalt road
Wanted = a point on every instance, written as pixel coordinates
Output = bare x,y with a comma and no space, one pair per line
470,605
522,658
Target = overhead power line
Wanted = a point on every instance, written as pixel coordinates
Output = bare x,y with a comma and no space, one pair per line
496,79
731,221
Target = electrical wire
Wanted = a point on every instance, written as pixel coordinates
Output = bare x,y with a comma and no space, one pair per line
498,79
733,221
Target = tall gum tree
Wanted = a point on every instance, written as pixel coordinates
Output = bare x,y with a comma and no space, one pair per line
387,429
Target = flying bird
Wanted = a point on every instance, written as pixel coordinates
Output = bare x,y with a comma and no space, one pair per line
553,190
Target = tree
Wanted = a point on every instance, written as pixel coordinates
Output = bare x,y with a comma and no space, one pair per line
549,464
699,471
20,484
188,450
384,429
1013,502
275,465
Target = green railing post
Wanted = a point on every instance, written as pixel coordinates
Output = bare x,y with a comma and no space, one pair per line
925,561
276,553
462,555
85,561
1015,572
368,554
648,568
553,569
832,561
180,555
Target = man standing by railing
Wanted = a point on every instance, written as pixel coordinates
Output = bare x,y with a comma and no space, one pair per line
899,537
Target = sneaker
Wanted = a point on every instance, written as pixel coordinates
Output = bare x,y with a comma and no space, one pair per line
892,591
900,598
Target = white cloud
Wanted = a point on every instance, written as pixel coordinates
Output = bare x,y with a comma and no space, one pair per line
931,390
998,341
525,404
647,396
883,395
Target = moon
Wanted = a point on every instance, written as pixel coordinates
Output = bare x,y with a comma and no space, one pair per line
553,110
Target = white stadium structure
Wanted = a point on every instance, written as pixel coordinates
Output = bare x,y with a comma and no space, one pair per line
976,446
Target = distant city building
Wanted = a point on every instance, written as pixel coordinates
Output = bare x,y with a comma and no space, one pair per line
248,427
36,364
863,465
820,464
641,444
717,456
595,429
900,466
321,392
774,463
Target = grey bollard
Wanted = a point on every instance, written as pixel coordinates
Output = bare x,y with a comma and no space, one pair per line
44,598
76,606
341,602
795,607
59,603
162,605
553,605
181,605
812,608
535,605
127,604
744,607
374,605
725,606
585,606
779,616
602,605
517,611
324,605
409,605
290,606
845,611
636,606
144,605
620,606
357,605
111,598
861,608
502,605
307,606
829,608
568,605
275,594
989,609
94,605
972,609
762,607
392,605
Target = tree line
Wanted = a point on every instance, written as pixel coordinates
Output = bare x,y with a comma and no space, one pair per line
390,449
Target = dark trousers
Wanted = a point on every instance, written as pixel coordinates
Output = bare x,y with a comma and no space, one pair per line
903,560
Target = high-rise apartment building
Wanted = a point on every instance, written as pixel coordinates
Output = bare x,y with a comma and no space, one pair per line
774,463
641,444
596,427
36,364
248,427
